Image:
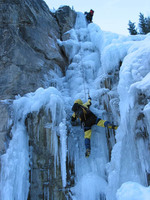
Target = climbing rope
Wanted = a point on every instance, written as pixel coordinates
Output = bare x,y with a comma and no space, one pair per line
84,82
83,70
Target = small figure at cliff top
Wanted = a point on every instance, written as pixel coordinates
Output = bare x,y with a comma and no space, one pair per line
89,16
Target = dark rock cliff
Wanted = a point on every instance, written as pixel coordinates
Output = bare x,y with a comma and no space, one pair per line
29,49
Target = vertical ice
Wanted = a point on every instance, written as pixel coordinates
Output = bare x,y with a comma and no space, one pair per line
14,181
90,179
96,60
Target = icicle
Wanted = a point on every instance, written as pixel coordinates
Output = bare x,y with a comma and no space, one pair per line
14,181
63,153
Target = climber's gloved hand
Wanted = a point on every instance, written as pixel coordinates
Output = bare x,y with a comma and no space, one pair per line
89,100
111,126
73,119
89,97
87,153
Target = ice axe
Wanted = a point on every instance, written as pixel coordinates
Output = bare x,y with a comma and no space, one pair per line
87,93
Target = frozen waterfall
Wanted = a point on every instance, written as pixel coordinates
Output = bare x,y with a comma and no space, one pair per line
115,70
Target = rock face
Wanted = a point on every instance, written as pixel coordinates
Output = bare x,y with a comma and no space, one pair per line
68,19
29,49
5,126
28,53
44,183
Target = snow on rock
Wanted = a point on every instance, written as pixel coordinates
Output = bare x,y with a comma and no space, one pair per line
133,191
90,187
14,180
133,90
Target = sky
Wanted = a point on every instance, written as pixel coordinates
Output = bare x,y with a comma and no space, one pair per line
110,15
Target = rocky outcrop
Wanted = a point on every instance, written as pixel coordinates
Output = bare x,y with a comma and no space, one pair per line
65,16
5,126
29,49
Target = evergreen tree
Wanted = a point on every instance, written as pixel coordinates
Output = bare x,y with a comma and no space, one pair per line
142,24
132,28
148,24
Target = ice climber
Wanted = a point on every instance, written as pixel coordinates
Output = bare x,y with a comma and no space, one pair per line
88,119
89,16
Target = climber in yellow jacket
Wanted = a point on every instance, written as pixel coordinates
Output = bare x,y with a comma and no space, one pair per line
88,119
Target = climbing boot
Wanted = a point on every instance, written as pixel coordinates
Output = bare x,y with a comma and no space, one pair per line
87,153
